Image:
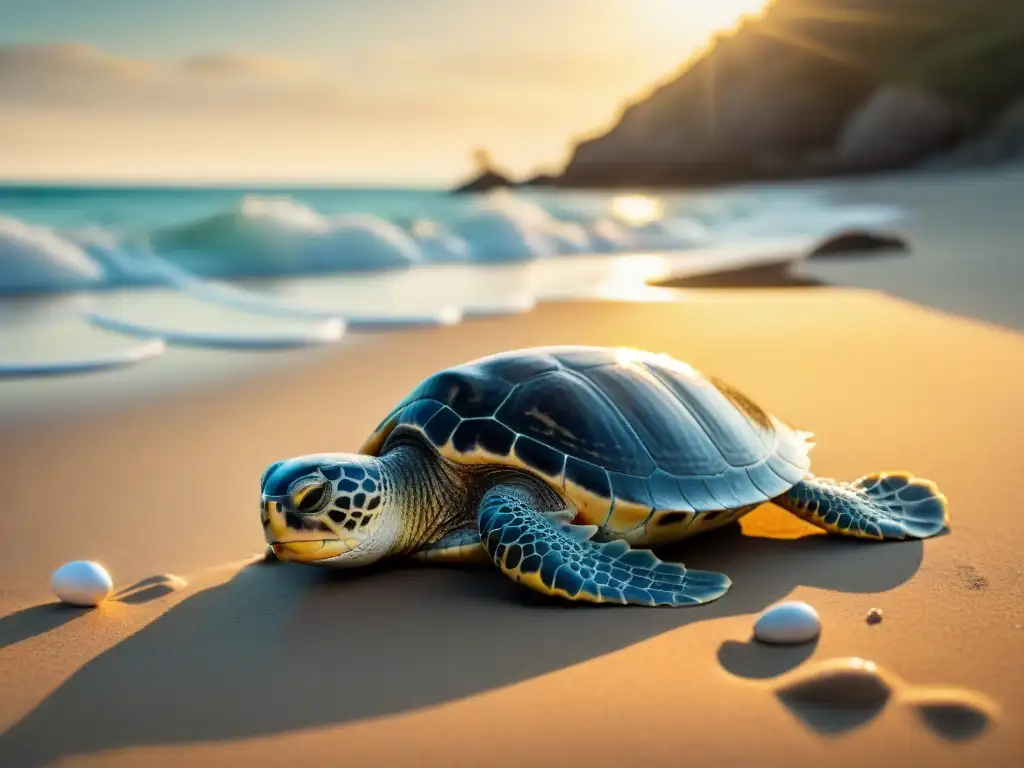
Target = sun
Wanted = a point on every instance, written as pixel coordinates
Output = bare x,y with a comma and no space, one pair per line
713,15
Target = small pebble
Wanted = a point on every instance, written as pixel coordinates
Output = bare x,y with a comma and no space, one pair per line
788,623
874,616
169,582
81,582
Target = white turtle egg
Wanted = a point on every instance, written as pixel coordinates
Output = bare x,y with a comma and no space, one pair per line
81,582
788,623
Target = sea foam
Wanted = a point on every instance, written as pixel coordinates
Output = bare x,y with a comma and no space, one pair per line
34,258
275,236
271,236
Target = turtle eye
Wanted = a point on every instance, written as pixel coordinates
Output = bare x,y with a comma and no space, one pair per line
308,496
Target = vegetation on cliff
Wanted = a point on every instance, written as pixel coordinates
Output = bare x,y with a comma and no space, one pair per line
772,98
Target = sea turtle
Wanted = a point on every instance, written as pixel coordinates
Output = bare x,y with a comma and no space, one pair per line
552,462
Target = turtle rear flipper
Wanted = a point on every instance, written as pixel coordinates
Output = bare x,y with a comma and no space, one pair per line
885,505
546,552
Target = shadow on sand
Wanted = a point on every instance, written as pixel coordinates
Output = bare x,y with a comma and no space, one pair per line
40,619
757,661
283,647
36,620
765,276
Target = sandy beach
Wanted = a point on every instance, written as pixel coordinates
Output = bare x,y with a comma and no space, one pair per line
233,234
270,664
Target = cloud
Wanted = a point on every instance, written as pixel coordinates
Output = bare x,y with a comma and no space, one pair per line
553,70
247,65
77,110
75,76
68,75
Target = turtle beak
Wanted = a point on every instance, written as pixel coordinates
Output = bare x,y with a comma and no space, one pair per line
283,526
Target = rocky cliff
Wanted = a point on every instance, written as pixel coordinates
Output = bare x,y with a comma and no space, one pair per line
819,87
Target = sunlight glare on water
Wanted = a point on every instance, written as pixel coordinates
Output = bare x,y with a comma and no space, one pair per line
627,278
637,210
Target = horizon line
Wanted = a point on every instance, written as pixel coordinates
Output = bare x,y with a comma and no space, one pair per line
226,183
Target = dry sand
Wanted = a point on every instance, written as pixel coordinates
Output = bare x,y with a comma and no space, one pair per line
255,664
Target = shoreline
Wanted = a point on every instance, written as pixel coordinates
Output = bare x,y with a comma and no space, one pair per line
232,669
187,366
153,472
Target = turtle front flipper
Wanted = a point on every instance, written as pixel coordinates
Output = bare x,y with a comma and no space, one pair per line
546,552
460,547
885,505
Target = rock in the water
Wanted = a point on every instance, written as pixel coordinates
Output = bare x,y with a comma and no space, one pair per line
541,180
859,241
788,623
484,182
82,582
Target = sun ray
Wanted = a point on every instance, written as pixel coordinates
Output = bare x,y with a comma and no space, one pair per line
876,18
800,41
711,84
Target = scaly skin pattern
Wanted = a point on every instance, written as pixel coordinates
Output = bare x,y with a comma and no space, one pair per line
431,496
881,506
429,508
350,510
537,546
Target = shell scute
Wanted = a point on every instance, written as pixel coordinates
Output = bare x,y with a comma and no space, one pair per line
539,456
571,415
675,440
486,435
735,435
420,412
631,488
515,368
697,493
470,391
665,492
588,476
441,425
637,441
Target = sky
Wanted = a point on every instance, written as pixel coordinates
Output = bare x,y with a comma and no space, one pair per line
357,91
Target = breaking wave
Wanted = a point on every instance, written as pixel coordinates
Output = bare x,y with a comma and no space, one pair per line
264,236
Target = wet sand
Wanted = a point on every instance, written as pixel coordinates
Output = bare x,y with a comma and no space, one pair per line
965,236
270,664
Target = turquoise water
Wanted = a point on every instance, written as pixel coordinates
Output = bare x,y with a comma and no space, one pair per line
90,276
129,209
139,209
60,238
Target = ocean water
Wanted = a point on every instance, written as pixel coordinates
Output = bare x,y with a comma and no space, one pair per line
97,278
60,238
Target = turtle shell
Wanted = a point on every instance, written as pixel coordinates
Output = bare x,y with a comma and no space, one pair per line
639,442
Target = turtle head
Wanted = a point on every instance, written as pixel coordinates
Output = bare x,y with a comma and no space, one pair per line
328,509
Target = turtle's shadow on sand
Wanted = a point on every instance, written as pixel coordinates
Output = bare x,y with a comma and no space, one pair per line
283,647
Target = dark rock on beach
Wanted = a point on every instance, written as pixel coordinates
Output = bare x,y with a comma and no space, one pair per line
859,242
